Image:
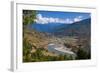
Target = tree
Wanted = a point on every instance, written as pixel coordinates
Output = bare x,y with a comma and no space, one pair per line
81,54
26,50
28,17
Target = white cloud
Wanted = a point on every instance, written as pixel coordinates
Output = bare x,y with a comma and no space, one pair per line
40,19
44,20
77,19
69,21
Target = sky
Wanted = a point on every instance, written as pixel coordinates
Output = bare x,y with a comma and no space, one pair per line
46,17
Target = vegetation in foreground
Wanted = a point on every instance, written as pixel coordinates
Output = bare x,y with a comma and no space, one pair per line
40,54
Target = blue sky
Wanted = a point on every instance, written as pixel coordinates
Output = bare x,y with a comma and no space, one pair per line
45,17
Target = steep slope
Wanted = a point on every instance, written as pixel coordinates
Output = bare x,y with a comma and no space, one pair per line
76,29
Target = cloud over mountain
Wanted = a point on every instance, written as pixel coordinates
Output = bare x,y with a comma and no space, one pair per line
45,20
77,19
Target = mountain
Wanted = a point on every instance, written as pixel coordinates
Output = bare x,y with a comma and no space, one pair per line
81,30
49,28
75,29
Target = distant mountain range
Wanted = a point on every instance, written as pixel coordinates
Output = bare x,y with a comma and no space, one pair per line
78,28
49,28
82,28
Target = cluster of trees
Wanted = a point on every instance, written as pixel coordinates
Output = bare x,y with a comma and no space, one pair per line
81,54
38,55
84,51
28,17
26,50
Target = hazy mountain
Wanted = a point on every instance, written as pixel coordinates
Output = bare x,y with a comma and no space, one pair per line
76,29
48,28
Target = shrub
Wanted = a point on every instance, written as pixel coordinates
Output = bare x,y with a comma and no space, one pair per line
81,54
